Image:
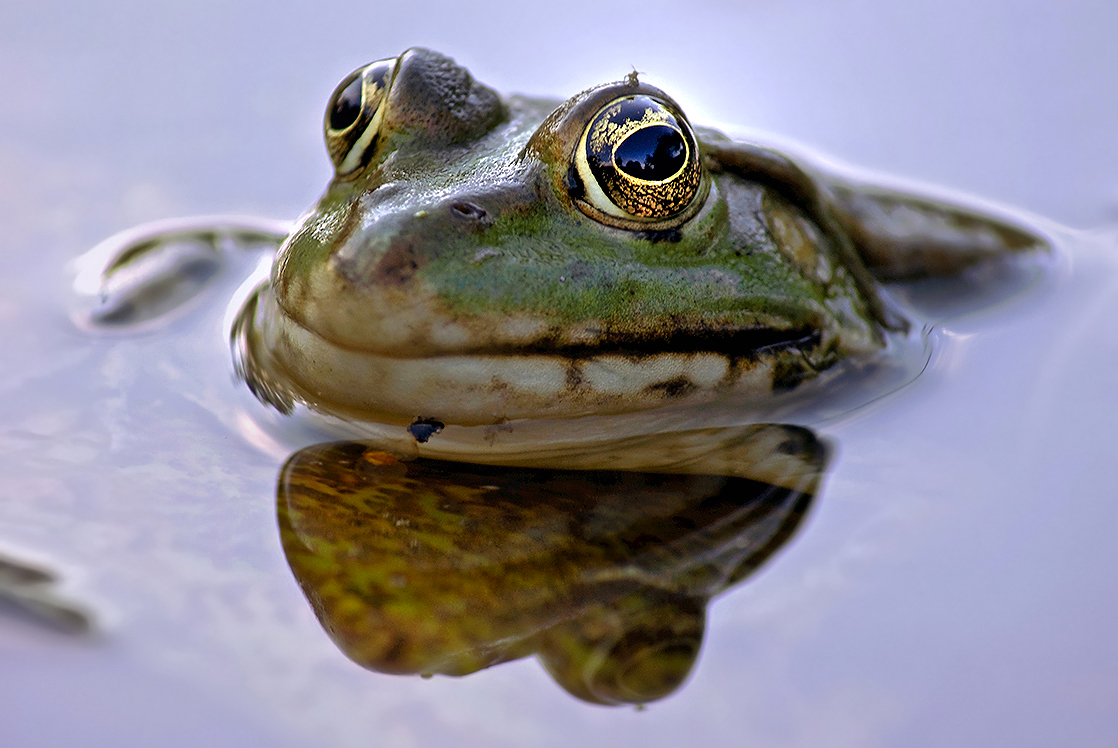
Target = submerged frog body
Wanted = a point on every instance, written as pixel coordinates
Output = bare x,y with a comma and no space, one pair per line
479,259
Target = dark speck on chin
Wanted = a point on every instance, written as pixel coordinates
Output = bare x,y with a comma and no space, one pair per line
424,428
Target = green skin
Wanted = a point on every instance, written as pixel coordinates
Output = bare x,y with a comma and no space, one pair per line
549,261
458,275
463,267
460,270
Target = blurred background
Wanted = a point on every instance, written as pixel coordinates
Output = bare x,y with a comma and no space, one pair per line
955,585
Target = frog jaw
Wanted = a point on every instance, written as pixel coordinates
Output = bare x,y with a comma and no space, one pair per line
286,363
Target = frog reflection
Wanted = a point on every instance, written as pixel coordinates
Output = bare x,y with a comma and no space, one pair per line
432,567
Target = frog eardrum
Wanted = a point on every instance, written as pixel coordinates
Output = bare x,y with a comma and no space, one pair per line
638,161
354,114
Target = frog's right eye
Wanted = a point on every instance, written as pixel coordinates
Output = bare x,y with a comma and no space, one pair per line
638,164
354,114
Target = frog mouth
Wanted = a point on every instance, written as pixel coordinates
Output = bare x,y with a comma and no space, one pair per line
286,363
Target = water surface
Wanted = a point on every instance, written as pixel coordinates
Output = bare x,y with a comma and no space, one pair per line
953,583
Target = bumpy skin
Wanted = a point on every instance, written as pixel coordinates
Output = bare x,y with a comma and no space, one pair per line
473,260
462,269
438,567
463,272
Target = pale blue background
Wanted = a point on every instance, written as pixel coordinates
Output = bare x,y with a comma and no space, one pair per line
955,585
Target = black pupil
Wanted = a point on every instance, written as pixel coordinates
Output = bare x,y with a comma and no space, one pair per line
651,153
347,106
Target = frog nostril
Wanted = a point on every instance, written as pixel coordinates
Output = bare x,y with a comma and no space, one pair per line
469,211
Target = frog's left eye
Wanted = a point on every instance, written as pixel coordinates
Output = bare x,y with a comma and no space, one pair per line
354,114
638,162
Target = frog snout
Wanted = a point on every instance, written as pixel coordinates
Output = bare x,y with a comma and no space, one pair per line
386,253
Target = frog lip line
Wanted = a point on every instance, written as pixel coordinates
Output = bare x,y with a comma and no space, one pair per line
744,342
747,342
480,389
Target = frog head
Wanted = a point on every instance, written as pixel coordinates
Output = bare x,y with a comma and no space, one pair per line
478,259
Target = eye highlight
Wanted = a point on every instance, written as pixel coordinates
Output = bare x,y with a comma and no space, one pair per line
345,107
654,154
354,114
638,161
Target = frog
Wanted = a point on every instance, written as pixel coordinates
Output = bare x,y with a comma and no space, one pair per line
538,289
480,260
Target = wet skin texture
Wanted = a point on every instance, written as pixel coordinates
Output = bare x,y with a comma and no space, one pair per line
479,259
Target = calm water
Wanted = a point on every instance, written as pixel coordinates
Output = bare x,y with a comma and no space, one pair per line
954,582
